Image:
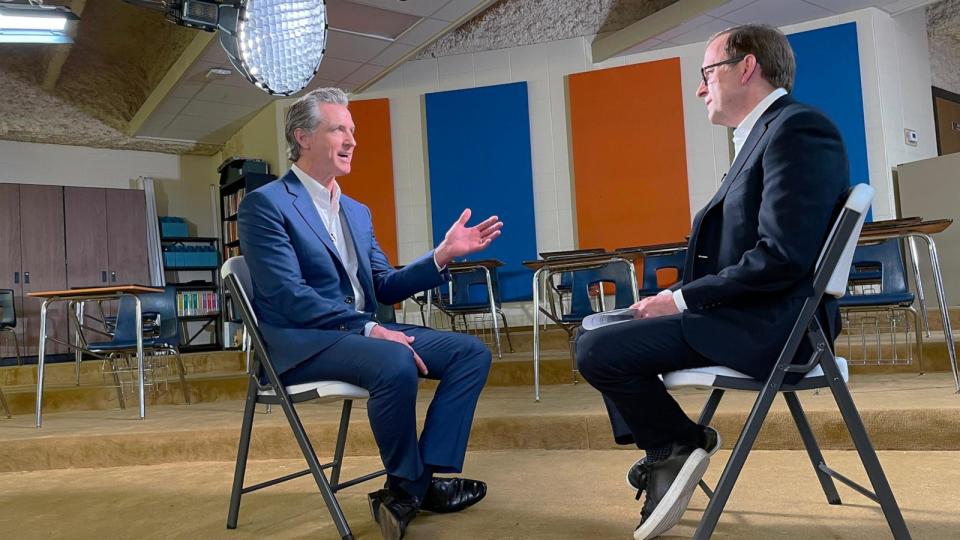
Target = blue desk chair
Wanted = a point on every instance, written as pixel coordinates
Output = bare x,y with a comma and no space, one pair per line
161,332
877,283
8,319
474,292
652,264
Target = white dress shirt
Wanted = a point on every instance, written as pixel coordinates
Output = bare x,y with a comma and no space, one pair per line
327,203
740,135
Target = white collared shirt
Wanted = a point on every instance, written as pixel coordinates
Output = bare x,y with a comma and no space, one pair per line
743,130
327,203
740,135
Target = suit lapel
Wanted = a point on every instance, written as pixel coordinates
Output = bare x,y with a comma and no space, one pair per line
308,211
757,133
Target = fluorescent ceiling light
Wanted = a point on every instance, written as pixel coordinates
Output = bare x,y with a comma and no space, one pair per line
27,23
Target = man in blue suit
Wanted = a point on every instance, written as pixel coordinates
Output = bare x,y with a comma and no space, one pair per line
318,274
749,267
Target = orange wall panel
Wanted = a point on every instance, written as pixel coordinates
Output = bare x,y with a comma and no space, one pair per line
371,176
629,155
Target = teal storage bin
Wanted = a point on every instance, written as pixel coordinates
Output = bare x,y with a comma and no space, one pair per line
173,227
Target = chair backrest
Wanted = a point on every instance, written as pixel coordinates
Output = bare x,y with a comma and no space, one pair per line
471,288
162,304
886,256
237,267
654,263
8,310
858,202
617,273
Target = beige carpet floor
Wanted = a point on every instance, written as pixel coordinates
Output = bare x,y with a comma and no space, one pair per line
533,495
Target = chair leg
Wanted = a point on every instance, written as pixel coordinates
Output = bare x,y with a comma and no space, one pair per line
314,464
506,328
243,449
341,443
183,378
813,449
868,456
710,407
735,464
117,382
16,344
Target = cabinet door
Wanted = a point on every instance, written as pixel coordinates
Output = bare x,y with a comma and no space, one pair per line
44,259
11,275
85,215
127,236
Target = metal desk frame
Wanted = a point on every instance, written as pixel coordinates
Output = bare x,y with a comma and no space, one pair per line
544,268
83,295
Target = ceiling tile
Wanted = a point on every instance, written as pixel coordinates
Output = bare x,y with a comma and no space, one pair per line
247,95
354,48
336,69
422,8
391,54
363,74
702,32
368,19
685,27
456,9
215,109
843,6
730,6
777,13
423,31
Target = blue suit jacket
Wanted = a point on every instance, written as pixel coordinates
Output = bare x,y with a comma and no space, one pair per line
303,297
752,249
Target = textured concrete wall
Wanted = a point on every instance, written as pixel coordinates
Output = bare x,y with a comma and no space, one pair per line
943,33
513,23
120,54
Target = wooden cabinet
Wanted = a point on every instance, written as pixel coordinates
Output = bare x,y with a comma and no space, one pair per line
43,261
54,237
10,272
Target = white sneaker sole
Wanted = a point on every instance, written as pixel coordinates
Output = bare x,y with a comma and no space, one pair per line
674,503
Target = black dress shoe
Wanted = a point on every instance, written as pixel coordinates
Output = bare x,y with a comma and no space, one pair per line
669,484
453,494
392,512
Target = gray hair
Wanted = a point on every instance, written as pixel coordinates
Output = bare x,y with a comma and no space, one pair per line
769,46
305,114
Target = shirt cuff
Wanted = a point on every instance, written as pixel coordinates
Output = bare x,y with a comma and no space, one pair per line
435,263
677,298
368,327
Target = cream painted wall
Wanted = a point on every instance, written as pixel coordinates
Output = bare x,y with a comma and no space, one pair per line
181,182
260,138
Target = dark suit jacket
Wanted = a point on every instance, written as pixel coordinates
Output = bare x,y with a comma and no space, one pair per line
304,301
752,249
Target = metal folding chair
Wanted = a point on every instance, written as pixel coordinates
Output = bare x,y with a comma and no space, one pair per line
822,370
236,276
8,319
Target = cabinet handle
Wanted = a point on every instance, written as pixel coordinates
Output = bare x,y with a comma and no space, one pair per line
26,277
103,276
16,277
113,277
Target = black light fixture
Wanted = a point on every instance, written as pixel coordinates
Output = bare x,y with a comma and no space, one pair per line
275,44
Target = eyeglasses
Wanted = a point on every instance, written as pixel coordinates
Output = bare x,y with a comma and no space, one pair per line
705,71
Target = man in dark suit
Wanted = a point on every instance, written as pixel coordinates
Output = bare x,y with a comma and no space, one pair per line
318,274
749,266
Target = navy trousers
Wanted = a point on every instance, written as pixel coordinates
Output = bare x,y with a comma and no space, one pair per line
622,361
387,370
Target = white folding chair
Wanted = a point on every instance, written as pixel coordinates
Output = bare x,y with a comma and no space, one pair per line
236,275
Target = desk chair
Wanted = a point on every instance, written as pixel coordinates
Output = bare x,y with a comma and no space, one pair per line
821,371
472,292
655,263
878,283
8,319
236,276
161,332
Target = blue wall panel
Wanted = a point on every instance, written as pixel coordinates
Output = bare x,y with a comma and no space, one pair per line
828,77
478,143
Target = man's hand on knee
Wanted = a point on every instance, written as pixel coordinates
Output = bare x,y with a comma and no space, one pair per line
379,332
655,306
